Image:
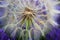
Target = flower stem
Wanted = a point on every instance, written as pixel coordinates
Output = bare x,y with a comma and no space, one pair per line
27,27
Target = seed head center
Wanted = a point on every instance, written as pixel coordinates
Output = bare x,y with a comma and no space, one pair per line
28,11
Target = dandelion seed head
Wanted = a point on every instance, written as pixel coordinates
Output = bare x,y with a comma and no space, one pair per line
28,14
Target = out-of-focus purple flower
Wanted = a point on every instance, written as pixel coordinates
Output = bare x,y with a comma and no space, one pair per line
54,34
3,35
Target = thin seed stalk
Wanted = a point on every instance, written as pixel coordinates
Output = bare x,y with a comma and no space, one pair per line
28,23
27,27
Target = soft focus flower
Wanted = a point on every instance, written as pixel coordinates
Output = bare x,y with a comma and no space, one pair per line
54,34
30,17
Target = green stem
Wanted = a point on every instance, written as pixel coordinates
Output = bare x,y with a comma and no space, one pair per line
28,23
27,27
